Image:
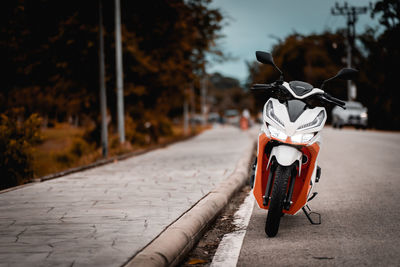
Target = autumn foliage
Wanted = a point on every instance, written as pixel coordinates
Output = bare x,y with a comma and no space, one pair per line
49,52
50,67
17,136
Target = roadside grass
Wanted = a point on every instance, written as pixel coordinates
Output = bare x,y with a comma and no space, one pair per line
63,147
56,141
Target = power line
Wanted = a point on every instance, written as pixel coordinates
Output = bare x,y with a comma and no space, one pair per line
351,13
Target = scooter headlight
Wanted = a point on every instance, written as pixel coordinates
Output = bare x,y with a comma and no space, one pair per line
302,138
315,123
269,110
276,133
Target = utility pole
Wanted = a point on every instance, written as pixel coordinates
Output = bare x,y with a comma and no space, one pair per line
103,101
351,12
204,99
192,105
185,115
119,70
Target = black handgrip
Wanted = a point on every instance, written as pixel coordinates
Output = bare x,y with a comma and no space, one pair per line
335,100
259,86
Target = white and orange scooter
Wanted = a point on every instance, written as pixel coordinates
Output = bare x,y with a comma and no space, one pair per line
286,169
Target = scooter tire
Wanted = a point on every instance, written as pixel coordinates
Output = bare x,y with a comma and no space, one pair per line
278,194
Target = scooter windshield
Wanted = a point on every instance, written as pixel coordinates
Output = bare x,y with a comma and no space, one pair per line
300,88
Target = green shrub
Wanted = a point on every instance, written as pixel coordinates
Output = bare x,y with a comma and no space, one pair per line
165,127
114,142
93,135
147,129
79,147
64,158
74,153
132,134
16,139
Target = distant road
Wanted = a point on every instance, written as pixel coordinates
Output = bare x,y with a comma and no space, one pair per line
359,200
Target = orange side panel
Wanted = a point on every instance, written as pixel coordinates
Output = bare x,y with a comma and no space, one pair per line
262,174
302,184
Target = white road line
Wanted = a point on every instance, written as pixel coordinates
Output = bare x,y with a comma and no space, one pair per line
229,248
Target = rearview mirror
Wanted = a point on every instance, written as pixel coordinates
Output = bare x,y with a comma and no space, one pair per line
346,74
265,58
343,74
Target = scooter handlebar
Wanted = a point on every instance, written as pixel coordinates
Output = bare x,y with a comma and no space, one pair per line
262,86
336,101
325,97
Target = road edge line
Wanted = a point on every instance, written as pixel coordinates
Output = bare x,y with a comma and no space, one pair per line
229,248
173,244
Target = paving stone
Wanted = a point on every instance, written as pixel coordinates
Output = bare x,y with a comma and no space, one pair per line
103,216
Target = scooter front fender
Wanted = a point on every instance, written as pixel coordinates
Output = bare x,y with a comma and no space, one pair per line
285,155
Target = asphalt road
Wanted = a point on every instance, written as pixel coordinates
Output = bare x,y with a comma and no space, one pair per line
359,200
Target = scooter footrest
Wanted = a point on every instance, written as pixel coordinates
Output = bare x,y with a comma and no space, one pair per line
318,174
314,194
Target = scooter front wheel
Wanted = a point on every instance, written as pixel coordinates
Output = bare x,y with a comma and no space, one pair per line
278,194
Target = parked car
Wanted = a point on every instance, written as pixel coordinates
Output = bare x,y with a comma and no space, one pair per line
355,114
197,119
213,117
232,116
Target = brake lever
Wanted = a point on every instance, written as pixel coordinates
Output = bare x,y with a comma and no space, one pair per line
323,98
335,100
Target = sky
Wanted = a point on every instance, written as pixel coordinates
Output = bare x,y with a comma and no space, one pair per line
256,24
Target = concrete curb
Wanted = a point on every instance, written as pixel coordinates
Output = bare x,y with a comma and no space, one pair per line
173,244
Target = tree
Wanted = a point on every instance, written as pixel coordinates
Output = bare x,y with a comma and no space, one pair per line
381,67
16,139
51,61
227,93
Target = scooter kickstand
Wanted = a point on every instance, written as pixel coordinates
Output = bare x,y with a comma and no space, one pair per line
309,212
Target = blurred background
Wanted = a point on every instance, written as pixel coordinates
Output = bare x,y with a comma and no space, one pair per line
85,80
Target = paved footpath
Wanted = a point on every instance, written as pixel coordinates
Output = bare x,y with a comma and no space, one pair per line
104,216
